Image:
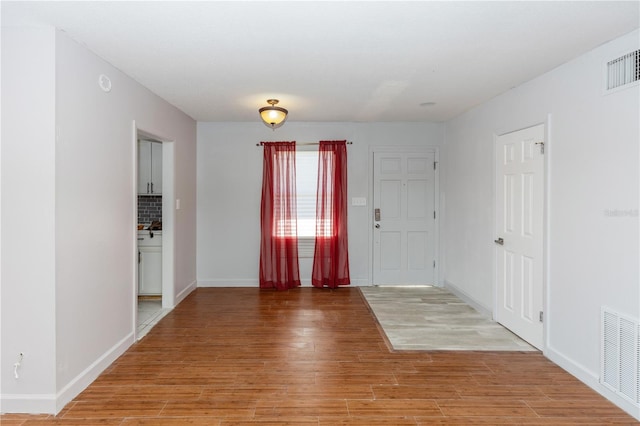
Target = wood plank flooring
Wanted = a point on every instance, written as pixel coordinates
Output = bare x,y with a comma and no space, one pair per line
316,357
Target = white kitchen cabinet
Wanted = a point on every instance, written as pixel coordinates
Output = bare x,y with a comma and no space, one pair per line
149,168
149,264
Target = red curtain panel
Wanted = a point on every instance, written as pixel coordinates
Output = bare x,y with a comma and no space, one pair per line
331,257
279,267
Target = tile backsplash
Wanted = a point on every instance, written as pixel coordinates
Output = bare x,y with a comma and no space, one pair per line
149,208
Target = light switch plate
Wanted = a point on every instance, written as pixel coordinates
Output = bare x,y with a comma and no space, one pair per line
358,201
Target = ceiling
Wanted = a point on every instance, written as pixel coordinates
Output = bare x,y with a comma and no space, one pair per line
332,61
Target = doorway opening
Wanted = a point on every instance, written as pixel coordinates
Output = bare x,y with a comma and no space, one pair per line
153,295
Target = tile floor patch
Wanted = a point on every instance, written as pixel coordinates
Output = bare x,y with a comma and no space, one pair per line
431,318
149,313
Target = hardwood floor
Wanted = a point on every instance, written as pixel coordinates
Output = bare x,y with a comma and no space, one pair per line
316,357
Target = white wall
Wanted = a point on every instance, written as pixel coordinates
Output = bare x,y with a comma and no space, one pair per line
592,159
28,216
66,301
229,190
89,218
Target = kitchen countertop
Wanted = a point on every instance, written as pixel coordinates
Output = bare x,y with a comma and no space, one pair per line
146,232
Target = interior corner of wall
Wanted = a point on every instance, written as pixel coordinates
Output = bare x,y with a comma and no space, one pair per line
483,310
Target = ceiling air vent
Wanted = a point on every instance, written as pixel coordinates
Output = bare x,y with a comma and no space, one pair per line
623,70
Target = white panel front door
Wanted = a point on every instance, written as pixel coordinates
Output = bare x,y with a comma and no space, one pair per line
403,235
519,243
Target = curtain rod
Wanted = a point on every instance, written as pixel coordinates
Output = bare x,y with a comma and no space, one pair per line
304,143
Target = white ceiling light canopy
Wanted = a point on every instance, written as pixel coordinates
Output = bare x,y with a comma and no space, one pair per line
272,115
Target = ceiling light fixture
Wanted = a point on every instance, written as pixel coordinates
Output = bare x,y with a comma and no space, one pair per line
273,116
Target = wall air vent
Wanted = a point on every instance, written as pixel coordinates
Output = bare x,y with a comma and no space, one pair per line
620,355
623,71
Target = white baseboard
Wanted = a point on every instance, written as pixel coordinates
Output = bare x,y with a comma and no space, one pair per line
54,403
483,310
184,293
225,282
360,282
254,283
354,283
84,379
590,379
28,403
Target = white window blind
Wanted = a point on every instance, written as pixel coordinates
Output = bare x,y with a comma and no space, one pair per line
306,188
306,194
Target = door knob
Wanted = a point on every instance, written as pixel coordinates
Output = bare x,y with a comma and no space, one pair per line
377,226
499,241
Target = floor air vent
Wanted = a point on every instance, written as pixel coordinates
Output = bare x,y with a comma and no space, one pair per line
620,355
623,70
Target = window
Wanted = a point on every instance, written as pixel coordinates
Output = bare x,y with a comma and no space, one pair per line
306,188
290,225
307,196
306,199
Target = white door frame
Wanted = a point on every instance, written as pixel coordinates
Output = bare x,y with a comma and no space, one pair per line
422,149
545,223
168,218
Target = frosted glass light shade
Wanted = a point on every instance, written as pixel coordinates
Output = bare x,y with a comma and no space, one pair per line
273,116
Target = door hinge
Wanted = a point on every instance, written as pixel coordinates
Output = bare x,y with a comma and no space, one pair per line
434,165
434,263
541,316
434,214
